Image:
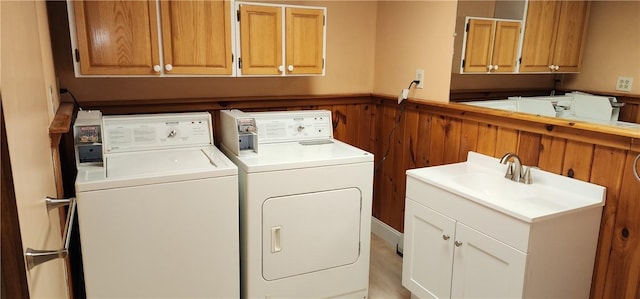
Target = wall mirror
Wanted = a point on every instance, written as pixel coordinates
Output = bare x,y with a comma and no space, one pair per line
534,84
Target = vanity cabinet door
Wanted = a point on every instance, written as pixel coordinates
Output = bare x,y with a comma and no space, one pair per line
485,267
117,37
428,251
196,37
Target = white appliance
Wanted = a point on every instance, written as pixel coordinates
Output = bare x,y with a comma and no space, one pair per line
305,205
159,217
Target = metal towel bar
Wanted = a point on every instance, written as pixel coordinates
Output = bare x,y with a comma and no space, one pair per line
36,257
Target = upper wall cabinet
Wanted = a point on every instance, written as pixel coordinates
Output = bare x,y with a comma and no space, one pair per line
123,37
280,40
196,37
491,45
554,36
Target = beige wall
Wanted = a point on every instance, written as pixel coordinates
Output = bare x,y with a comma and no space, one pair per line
612,48
349,65
414,35
27,71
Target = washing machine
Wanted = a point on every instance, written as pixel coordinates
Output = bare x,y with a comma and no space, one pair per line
305,205
158,210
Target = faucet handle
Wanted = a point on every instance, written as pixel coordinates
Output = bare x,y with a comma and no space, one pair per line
526,177
509,174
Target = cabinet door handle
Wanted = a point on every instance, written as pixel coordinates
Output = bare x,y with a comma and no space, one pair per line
458,243
555,67
290,68
445,237
551,67
489,67
281,68
168,67
495,67
157,68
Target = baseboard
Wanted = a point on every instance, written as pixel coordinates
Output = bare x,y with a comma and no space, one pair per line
387,233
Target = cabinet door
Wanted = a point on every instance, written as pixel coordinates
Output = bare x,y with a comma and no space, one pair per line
196,37
486,268
117,37
539,38
570,33
304,40
260,40
477,57
505,46
428,251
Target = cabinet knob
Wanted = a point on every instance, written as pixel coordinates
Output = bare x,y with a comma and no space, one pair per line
495,67
281,68
290,68
489,67
458,243
157,68
555,67
168,67
551,67
445,237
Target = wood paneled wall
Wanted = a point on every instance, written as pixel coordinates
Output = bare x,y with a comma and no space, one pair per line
419,134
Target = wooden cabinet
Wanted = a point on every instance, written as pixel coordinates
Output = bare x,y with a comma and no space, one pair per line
122,37
491,45
457,247
554,36
196,37
274,45
116,37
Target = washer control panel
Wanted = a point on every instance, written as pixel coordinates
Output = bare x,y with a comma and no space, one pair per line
156,131
293,125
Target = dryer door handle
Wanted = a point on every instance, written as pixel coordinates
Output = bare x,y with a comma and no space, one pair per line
275,239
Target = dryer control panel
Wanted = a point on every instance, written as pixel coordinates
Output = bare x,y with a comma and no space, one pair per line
286,126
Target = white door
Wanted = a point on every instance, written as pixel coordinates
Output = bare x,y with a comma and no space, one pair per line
428,251
310,232
485,267
27,75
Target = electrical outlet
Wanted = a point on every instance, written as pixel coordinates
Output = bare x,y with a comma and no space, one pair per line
624,83
420,77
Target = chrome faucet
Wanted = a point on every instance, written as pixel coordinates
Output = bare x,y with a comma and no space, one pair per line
516,171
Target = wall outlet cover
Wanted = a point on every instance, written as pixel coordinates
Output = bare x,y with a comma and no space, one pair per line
624,83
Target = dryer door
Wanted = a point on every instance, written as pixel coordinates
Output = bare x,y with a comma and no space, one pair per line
310,232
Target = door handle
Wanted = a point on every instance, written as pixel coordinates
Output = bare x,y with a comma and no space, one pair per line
275,239
36,257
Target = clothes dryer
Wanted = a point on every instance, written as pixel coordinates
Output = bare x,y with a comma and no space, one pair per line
158,218
305,205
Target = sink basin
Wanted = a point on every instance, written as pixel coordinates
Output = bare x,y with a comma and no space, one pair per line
481,179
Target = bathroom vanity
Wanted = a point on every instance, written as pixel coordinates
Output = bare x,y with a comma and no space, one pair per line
469,232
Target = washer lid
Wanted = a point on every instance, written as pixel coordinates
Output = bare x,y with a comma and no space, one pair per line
159,166
152,163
